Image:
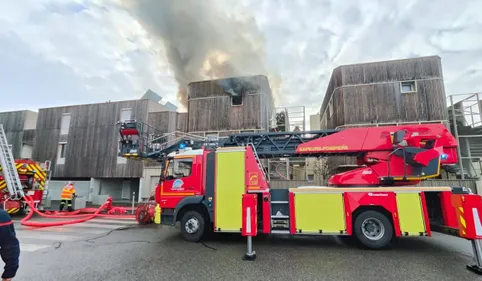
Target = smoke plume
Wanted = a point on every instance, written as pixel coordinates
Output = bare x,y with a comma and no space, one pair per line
202,40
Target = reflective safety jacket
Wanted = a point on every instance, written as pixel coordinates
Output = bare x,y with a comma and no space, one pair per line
9,245
67,192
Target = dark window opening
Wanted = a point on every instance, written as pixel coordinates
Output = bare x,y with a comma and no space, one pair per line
237,100
62,150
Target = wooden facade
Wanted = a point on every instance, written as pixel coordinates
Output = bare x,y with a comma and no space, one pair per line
397,91
19,128
372,93
238,103
88,149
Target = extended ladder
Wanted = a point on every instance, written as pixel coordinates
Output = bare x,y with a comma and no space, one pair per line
258,161
9,169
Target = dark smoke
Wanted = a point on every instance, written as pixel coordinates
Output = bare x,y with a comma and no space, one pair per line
235,86
201,40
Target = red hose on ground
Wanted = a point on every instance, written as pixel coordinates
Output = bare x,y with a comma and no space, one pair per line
81,217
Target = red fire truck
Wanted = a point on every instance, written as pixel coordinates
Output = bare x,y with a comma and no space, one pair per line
222,186
33,178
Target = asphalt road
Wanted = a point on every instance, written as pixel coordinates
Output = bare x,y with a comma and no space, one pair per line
154,253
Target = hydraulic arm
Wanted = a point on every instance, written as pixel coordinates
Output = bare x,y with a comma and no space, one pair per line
388,155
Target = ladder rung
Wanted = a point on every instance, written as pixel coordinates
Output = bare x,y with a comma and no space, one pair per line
280,217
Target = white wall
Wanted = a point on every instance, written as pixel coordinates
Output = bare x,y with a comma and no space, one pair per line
30,120
315,122
118,189
148,182
26,151
82,189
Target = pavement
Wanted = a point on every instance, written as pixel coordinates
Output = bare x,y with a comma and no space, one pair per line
112,250
34,239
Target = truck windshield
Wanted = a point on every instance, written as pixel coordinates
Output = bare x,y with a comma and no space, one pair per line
179,168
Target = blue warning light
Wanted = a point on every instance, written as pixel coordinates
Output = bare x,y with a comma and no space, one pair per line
444,156
182,146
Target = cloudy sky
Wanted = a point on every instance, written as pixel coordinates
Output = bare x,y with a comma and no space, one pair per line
60,52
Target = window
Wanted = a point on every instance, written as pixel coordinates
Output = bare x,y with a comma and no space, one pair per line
311,178
65,124
126,114
62,149
120,160
179,168
212,135
408,87
236,100
26,152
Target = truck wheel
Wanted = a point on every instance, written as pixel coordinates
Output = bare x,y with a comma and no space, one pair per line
373,229
192,226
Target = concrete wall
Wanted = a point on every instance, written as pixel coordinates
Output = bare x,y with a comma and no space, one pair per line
97,190
30,120
118,189
81,187
149,181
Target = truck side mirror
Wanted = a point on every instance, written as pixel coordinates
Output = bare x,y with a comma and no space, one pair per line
398,136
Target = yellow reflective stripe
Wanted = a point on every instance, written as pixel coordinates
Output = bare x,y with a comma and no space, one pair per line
41,172
462,221
12,210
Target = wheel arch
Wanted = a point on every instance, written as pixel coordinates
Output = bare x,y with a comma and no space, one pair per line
190,203
379,209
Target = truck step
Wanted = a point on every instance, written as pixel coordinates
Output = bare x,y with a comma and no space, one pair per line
280,231
279,202
280,217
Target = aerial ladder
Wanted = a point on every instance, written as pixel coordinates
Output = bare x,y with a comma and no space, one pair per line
409,155
9,169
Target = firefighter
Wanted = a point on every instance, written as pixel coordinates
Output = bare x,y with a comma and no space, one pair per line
9,246
68,192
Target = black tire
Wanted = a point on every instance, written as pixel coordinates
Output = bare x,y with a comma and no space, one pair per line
378,239
192,221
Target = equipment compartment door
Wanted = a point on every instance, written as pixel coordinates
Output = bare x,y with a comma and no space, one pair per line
410,214
320,213
230,187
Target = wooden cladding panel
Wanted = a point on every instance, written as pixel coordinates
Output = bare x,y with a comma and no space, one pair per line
396,70
92,141
13,125
366,93
181,123
210,109
216,88
216,114
165,121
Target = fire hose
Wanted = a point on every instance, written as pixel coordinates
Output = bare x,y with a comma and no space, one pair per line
77,214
